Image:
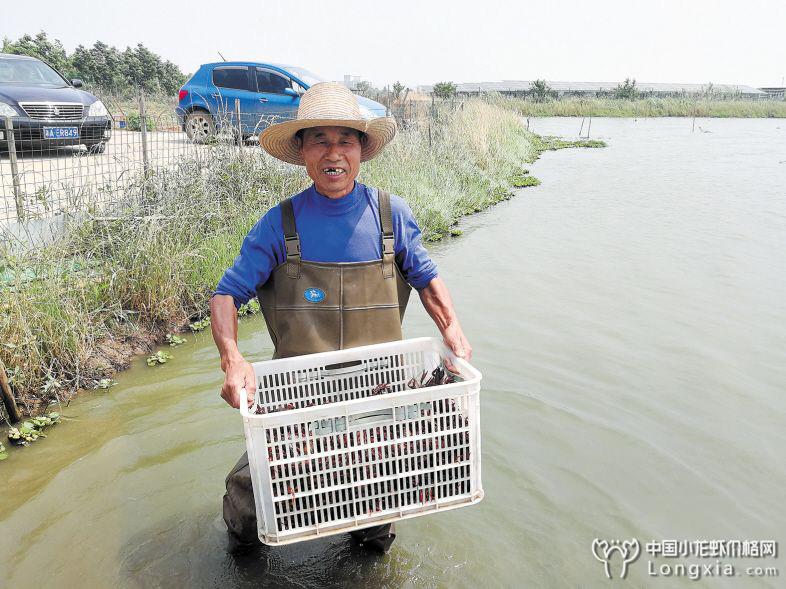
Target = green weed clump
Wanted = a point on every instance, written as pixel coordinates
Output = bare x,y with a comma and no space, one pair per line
175,340
158,358
250,308
134,122
520,181
200,325
550,143
31,430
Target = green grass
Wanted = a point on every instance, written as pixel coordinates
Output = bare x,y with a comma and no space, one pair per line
648,107
64,309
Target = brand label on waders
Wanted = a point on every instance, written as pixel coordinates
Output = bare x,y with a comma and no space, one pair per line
314,295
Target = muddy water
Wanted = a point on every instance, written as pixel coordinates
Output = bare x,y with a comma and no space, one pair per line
629,316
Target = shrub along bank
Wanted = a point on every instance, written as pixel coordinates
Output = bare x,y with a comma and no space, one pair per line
74,312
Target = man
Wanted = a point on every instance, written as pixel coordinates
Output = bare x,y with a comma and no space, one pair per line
332,267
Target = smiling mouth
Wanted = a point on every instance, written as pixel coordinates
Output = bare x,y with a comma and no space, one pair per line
333,171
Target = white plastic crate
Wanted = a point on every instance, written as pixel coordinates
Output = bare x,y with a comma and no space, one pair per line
336,455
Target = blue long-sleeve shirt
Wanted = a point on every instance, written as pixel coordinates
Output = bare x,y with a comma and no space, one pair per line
331,230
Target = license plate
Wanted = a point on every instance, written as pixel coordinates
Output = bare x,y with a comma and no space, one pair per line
61,132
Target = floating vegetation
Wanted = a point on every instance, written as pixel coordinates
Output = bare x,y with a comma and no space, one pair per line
522,181
175,340
550,143
200,325
500,193
250,308
521,178
105,383
32,429
158,358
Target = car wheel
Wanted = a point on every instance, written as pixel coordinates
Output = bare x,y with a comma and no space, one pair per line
200,126
97,148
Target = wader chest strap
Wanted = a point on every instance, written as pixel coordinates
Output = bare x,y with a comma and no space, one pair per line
388,239
291,238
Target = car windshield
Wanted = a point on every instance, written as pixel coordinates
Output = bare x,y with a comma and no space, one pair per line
29,73
303,74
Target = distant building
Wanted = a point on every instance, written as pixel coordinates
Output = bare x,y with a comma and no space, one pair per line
776,92
351,82
600,89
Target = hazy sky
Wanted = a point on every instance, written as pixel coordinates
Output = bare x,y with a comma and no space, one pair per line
721,41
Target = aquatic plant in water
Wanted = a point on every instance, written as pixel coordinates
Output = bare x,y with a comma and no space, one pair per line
250,308
200,325
158,358
175,340
32,429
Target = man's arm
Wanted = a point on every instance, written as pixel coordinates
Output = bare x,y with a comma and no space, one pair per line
436,299
239,373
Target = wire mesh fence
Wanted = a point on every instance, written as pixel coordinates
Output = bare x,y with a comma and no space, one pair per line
51,166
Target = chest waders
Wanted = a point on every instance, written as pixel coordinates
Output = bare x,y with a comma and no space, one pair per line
314,307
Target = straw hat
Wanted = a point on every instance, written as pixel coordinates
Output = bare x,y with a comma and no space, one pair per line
327,104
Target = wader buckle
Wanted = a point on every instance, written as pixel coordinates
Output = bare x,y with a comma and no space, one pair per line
388,251
388,245
293,246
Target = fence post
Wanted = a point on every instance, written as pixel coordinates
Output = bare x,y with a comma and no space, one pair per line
7,394
11,142
239,124
143,128
693,125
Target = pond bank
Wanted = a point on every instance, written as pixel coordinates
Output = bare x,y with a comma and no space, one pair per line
649,107
136,278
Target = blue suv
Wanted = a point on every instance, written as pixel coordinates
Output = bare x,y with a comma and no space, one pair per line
268,93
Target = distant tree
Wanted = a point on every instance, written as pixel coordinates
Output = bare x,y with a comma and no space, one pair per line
540,91
398,88
103,66
145,69
364,88
444,89
52,52
709,91
627,90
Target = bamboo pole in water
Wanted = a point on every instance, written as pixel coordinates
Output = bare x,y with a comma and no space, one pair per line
8,396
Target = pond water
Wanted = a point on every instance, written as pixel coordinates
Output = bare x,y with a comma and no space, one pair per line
629,317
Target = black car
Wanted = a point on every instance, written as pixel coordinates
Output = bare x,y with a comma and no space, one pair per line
47,110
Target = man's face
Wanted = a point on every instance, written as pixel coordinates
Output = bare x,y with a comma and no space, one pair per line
332,156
